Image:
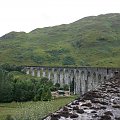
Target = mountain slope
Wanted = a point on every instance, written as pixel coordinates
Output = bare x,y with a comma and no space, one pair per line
91,41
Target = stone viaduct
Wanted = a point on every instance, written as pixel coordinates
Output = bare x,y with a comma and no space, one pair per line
84,78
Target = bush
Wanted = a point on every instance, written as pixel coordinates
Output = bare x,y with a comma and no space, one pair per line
46,94
9,117
66,87
38,59
53,88
68,60
9,67
57,85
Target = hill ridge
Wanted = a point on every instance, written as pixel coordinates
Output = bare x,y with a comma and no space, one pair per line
90,41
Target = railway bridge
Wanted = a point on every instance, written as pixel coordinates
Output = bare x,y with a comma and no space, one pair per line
83,78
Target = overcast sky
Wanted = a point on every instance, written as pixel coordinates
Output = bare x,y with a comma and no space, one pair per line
26,15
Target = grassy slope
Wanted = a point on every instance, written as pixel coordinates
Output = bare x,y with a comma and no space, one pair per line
93,41
32,110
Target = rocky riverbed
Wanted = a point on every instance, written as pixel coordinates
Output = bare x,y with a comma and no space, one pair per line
102,103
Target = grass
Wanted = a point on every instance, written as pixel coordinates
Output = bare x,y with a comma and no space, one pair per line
32,110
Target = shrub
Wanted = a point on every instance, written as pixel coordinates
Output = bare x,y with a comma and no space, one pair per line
66,87
68,60
57,85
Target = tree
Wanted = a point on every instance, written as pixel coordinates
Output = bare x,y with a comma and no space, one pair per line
6,87
23,90
9,67
66,87
57,85
46,94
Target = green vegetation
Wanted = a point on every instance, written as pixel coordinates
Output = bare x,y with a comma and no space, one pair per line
91,41
31,110
15,87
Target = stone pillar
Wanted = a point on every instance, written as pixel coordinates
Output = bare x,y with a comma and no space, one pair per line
55,76
82,79
104,76
43,72
61,77
80,82
94,80
71,75
27,71
99,79
33,71
49,73
66,76
38,72
77,82
88,82
108,73
112,73
71,78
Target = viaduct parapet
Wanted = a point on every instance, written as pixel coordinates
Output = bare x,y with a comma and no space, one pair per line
84,78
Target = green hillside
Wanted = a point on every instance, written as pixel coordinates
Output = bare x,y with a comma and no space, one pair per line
91,41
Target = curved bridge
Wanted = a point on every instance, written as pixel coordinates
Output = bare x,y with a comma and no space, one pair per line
84,78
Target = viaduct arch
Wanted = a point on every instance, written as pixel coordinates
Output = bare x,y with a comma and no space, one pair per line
84,78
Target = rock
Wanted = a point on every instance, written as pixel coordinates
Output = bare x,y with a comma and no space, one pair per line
95,101
65,109
117,118
103,107
73,103
93,112
55,117
81,100
80,111
91,95
87,104
116,106
108,113
105,117
76,103
95,115
69,106
73,116
64,114
95,108
76,108
103,103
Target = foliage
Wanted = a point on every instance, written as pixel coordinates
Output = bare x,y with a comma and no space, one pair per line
24,90
66,87
57,85
6,87
18,89
68,61
38,59
9,67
